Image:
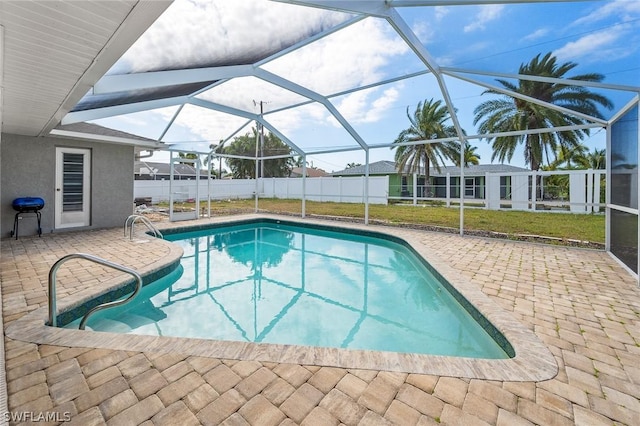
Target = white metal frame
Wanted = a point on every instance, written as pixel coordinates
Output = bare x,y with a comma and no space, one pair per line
359,10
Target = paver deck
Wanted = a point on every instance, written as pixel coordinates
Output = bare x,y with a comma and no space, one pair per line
581,304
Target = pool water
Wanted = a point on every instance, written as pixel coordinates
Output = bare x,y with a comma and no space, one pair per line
278,283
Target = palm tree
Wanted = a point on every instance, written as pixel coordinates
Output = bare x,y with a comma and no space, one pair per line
597,160
511,113
570,158
218,149
470,156
428,122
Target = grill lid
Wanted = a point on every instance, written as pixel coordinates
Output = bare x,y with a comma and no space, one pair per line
27,203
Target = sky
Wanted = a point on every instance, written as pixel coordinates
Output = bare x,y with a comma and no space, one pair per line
599,36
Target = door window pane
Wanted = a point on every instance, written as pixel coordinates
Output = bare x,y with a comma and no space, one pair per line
72,182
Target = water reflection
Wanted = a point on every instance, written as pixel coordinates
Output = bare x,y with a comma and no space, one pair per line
273,284
238,246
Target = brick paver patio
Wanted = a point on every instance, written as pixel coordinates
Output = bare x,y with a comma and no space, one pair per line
580,303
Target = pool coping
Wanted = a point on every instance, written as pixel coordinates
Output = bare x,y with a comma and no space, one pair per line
533,360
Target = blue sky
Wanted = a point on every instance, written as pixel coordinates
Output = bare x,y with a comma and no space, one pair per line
600,36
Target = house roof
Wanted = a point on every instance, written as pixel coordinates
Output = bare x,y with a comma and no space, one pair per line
386,167
383,167
104,134
311,172
154,168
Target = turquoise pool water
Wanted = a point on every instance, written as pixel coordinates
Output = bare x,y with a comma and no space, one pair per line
277,283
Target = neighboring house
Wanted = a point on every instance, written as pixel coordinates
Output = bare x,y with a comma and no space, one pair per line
474,180
311,172
401,185
378,168
147,170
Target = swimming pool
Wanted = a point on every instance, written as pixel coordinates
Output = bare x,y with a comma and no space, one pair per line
276,282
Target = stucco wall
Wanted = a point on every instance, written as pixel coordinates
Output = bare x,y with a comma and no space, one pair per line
28,170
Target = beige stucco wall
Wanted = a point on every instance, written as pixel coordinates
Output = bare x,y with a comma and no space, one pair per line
27,169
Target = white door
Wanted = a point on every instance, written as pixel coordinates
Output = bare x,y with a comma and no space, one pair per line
73,187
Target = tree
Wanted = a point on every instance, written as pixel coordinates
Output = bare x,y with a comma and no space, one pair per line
470,156
428,122
217,148
573,158
246,146
557,186
299,161
511,113
189,156
597,160
567,159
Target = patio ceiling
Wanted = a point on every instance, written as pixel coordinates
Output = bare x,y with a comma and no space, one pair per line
54,51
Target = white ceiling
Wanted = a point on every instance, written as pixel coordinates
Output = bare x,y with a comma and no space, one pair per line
54,51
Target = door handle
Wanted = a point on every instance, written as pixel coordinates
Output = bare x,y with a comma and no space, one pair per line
58,189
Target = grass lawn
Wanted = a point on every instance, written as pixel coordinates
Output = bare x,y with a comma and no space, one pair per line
586,227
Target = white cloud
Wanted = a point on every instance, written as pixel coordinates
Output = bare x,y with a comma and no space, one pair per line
441,12
623,9
537,34
423,31
487,14
216,32
592,46
205,124
367,106
352,57
618,40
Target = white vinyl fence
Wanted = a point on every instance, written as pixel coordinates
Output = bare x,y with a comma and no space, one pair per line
575,191
337,189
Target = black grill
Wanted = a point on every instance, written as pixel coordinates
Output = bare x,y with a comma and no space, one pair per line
27,205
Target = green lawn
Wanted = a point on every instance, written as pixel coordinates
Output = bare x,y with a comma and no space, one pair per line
585,227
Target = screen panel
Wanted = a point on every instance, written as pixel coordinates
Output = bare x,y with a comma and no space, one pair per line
624,160
624,238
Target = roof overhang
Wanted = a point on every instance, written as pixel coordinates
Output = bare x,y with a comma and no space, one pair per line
54,52
68,134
